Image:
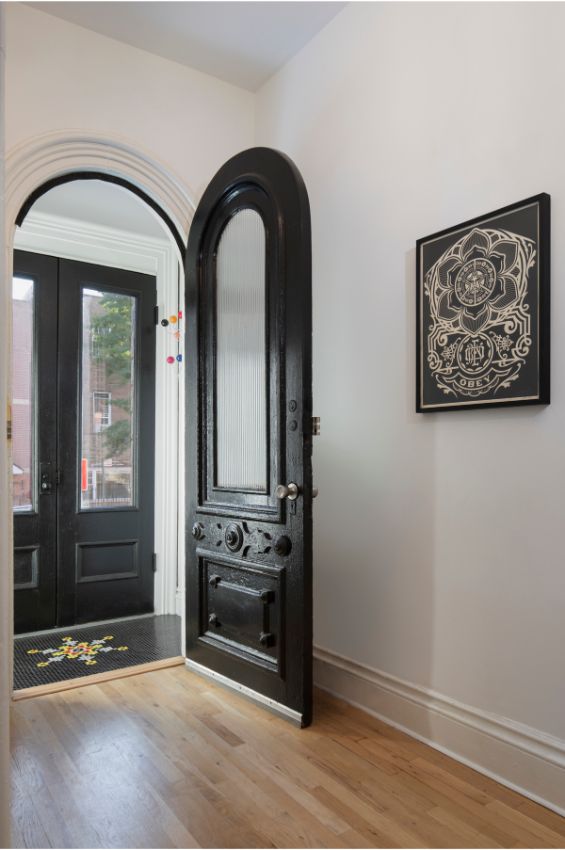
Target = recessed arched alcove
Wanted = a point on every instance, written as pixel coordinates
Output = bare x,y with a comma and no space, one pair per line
39,164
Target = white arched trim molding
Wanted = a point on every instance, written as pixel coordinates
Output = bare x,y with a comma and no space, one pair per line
43,158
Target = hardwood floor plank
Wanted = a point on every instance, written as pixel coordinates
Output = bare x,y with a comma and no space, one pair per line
27,830
465,832
366,822
542,815
522,827
167,759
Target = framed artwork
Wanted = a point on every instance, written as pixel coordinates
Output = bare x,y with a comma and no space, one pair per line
482,329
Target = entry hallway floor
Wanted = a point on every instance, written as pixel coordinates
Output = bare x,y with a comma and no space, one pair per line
167,759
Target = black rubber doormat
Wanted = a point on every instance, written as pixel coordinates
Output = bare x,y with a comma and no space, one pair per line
47,657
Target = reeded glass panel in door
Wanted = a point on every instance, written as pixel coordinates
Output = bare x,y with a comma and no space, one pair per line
23,355
241,357
108,391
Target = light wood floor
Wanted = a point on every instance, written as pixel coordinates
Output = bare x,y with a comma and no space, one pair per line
166,759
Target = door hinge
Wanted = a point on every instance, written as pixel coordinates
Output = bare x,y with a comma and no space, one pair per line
57,477
154,562
315,426
9,423
156,314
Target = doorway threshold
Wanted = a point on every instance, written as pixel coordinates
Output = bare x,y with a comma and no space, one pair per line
95,678
59,659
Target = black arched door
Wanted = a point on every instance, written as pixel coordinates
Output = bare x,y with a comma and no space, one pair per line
249,440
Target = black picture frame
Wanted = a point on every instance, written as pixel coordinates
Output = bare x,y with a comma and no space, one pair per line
483,311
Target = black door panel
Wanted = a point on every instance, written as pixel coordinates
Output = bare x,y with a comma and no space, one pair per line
241,609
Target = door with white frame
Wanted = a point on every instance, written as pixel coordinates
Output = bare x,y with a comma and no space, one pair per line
134,243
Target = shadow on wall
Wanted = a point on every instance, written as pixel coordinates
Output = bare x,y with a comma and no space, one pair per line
374,524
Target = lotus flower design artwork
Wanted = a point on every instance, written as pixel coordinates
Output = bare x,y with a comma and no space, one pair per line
479,334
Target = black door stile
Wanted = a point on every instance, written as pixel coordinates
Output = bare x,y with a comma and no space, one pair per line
92,561
249,552
35,529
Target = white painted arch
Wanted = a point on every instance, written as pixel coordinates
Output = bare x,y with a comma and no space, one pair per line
42,158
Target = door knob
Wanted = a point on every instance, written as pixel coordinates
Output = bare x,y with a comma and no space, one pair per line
46,481
289,491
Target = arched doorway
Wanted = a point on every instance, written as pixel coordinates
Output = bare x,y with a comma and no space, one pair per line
42,163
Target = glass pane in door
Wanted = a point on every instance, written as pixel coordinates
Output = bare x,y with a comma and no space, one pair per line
241,357
22,393
108,393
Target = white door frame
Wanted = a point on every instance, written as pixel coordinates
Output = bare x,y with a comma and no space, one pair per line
76,240
26,168
5,496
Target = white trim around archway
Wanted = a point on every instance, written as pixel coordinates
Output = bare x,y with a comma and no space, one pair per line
36,161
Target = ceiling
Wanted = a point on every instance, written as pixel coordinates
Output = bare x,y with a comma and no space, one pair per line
243,43
100,202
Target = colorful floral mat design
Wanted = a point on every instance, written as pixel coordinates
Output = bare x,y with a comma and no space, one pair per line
74,650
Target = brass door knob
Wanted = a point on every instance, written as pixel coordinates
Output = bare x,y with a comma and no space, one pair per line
288,491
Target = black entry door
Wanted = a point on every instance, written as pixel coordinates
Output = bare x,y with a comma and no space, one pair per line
85,535
249,438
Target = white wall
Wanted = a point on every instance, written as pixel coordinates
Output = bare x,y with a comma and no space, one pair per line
439,549
5,513
60,76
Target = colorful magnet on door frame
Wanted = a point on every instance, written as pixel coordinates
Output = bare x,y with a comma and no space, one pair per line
164,322
170,359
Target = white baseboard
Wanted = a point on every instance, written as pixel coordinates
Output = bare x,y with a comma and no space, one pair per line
522,758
